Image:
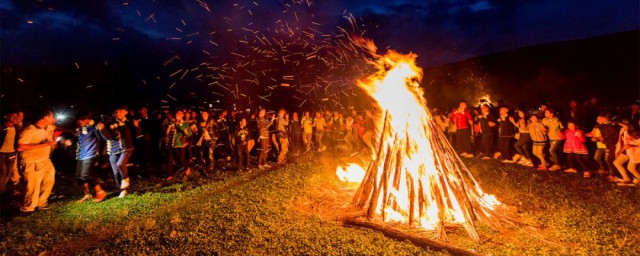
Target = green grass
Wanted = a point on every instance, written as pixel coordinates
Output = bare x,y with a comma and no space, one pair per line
294,210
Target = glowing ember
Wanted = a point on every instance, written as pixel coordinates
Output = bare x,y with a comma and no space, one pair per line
350,173
415,176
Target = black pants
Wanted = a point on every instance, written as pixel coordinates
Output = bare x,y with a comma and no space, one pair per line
179,155
523,145
486,143
242,152
463,140
505,146
572,158
84,171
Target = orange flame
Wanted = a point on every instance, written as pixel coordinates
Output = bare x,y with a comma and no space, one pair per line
428,183
350,173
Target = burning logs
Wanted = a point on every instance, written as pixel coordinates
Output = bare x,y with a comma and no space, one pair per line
415,176
420,241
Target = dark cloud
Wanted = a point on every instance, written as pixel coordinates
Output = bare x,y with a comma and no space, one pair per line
440,31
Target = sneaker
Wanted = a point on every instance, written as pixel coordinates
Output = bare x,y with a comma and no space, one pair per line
44,207
541,168
463,154
554,168
515,158
486,158
528,164
26,213
469,156
266,166
124,184
122,194
636,181
570,170
187,172
586,175
260,167
100,196
507,161
84,198
497,155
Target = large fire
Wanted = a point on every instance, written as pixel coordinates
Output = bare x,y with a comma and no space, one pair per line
415,176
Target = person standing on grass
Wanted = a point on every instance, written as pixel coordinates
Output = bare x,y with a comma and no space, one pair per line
263,127
87,154
282,132
462,119
295,132
628,150
523,144
307,127
178,133
539,137
207,139
242,137
506,132
119,133
35,144
575,149
349,136
486,123
601,148
553,125
320,124
9,142
610,133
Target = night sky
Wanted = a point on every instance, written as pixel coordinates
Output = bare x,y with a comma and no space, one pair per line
265,52
46,31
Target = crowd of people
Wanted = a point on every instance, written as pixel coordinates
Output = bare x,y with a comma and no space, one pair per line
162,143
170,143
581,138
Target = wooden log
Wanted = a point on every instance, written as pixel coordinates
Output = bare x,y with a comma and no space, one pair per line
396,179
380,185
401,236
366,189
412,199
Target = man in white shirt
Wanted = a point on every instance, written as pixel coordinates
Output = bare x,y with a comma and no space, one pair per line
35,144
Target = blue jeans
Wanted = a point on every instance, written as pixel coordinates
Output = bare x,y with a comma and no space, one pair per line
119,165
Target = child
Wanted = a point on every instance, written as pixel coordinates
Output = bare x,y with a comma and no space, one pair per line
575,149
539,136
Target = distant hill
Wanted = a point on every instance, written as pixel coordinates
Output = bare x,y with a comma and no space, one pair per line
607,67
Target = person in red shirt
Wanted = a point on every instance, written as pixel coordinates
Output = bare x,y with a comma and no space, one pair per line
462,118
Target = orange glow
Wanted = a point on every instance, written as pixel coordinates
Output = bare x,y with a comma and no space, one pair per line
350,173
416,176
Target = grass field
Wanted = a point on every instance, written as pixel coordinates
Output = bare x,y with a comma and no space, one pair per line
296,210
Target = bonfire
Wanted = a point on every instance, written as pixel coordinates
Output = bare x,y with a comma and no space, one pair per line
414,176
